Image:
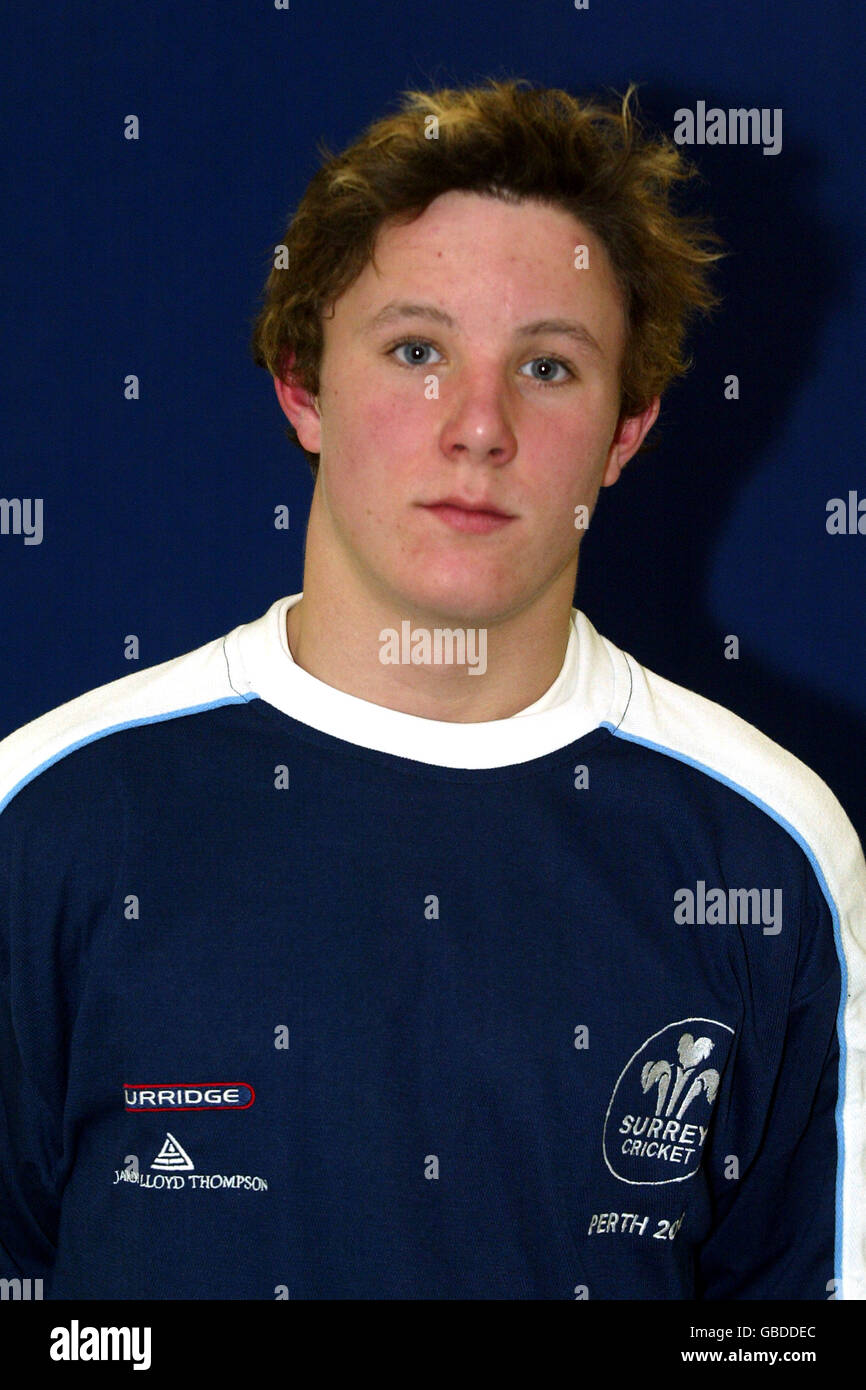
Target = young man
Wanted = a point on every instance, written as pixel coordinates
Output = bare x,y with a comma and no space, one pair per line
413,941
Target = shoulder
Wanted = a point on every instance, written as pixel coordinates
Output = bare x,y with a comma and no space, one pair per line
187,684
678,723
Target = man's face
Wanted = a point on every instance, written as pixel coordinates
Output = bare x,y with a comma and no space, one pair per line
488,409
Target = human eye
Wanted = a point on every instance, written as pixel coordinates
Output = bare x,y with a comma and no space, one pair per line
556,362
413,343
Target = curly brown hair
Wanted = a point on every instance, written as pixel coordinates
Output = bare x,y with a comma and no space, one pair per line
509,140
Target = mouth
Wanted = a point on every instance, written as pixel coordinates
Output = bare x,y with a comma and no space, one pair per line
475,518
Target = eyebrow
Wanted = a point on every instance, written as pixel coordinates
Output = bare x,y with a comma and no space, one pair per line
401,309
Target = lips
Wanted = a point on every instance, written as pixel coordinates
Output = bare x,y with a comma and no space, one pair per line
472,518
484,508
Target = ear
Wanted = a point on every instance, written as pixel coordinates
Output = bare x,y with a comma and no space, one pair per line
630,433
300,407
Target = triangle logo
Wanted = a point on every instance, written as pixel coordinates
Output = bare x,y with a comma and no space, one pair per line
172,1157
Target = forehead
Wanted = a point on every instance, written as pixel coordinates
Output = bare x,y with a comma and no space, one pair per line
485,260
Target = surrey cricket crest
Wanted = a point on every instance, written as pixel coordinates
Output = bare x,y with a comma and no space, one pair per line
658,1119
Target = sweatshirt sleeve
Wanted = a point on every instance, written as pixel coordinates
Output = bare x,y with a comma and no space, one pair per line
61,841
775,1230
31,1102
790,1217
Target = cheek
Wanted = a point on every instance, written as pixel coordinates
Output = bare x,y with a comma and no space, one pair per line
570,464
363,447
375,432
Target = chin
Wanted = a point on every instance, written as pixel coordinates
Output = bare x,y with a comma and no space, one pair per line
463,604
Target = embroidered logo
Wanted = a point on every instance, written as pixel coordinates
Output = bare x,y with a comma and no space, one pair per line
175,1172
658,1119
172,1157
216,1095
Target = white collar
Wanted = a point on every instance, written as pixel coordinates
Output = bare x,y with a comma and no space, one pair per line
592,688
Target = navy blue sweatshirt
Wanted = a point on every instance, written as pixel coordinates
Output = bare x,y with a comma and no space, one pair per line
305,997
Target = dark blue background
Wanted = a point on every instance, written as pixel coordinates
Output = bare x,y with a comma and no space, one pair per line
148,257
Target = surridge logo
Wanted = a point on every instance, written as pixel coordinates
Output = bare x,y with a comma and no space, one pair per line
216,1095
658,1118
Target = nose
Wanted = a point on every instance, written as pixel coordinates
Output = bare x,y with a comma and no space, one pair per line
478,427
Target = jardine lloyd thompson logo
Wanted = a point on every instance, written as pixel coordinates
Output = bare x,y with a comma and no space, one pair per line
220,1095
